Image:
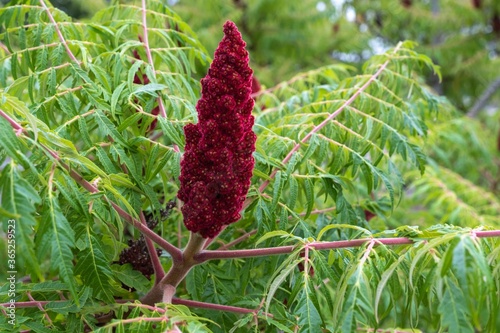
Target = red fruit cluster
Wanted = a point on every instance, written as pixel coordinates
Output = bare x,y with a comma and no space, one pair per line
218,163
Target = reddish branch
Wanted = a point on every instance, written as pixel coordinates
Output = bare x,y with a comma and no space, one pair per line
238,240
212,306
59,33
155,260
18,128
40,307
190,303
217,254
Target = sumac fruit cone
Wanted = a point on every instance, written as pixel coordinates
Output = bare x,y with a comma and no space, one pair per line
217,164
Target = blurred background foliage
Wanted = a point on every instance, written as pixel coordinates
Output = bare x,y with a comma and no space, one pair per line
285,37
78,9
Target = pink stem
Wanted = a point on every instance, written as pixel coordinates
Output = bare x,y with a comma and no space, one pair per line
163,113
487,233
40,307
59,33
18,128
175,300
224,254
212,306
31,304
238,240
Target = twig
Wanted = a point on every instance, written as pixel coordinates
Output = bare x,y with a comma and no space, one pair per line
163,113
175,300
484,98
130,302
155,261
380,330
148,233
212,306
30,304
238,240
319,211
217,254
59,33
40,307
18,128
137,319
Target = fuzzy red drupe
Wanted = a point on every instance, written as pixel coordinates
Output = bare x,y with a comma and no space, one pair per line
218,163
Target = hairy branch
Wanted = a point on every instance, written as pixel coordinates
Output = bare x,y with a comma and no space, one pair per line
238,240
29,304
224,254
137,319
193,304
165,289
41,308
148,233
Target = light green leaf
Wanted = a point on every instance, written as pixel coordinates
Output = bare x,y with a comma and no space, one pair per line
109,128
93,267
280,278
20,199
60,239
276,233
309,317
453,309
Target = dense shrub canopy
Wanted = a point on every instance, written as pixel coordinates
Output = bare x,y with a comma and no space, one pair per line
373,200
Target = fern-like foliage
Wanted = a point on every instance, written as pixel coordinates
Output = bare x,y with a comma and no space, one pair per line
84,113
337,136
91,118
